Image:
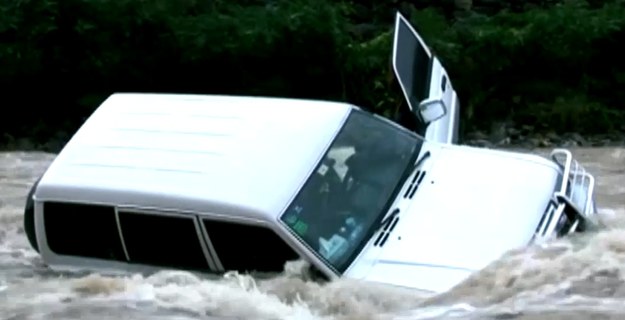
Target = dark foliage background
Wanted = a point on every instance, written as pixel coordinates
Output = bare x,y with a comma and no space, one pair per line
551,64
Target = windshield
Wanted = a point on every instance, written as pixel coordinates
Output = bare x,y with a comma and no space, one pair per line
352,187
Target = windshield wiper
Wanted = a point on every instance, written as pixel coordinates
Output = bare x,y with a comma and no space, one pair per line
419,162
410,171
386,222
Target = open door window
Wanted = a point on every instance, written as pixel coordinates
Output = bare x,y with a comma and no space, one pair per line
423,80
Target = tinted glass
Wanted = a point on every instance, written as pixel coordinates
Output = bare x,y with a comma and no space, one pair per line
351,187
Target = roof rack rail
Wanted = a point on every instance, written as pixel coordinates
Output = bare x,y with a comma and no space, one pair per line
573,199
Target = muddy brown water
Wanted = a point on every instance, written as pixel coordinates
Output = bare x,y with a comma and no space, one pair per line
582,277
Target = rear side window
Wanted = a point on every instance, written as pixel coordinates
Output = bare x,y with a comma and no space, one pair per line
171,241
84,230
248,248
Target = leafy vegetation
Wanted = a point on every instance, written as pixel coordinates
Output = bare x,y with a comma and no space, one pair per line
555,65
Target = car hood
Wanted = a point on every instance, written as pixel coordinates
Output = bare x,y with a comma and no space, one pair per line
471,207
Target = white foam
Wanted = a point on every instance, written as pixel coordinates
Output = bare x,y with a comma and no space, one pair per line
561,275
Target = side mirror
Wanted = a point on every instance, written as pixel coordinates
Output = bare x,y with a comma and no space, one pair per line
432,109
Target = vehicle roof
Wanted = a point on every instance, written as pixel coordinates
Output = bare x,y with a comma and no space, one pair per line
229,155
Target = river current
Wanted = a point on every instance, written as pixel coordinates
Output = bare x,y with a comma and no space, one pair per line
581,277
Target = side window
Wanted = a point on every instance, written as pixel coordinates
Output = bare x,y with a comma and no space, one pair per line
170,240
248,248
83,230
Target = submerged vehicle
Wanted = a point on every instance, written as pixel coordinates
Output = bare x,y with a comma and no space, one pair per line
215,183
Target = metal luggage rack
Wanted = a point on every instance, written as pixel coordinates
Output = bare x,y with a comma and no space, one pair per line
574,198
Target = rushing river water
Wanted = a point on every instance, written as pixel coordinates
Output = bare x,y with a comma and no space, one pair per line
578,278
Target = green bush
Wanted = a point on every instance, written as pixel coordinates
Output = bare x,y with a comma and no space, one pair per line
553,64
540,66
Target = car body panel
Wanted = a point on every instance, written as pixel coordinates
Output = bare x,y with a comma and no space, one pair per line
471,207
422,76
198,153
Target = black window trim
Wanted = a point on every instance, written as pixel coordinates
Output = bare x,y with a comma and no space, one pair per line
41,228
218,266
168,213
121,234
247,222
208,250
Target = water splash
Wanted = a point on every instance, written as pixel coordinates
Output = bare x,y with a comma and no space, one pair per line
579,277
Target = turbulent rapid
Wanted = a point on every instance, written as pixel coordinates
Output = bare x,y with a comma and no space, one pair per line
576,278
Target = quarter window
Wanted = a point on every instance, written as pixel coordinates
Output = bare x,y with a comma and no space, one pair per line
247,248
83,230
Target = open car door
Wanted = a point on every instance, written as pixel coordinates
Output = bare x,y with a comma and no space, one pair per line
426,86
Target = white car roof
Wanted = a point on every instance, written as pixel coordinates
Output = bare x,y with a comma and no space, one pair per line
230,155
